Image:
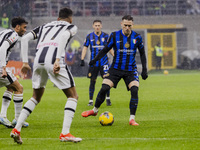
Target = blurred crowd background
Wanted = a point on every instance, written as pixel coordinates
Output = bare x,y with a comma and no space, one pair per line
175,24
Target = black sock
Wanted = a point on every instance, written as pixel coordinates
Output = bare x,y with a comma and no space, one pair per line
134,100
101,95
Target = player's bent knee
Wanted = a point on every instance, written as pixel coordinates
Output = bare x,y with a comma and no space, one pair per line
105,88
134,90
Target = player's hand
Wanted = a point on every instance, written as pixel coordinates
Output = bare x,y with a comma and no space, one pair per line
92,62
24,70
82,63
4,73
56,66
144,74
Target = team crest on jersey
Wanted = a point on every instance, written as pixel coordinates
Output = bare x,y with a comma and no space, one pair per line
102,39
127,45
89,74
134,41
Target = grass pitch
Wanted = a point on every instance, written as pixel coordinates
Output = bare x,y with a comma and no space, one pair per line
168,114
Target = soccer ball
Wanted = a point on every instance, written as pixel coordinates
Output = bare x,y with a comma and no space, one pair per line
166,72
106,119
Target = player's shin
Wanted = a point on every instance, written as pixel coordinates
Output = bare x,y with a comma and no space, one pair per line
7,96
134,100
69,111
91,89
18,101
26,111
101,95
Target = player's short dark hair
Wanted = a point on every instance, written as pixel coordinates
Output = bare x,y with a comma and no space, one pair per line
97,20
65,13
18,21
127,17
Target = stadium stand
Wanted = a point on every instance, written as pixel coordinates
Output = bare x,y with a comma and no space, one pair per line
46,8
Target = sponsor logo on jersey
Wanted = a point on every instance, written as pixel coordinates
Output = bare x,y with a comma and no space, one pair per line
48,44
12,39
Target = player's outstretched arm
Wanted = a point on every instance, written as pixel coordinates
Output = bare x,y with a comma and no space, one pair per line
144,73
24,46
3,51
102,53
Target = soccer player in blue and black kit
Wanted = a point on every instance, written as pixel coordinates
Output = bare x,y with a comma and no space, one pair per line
125,43
96,40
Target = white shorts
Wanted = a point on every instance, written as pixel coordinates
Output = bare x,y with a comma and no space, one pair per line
8,80
41,73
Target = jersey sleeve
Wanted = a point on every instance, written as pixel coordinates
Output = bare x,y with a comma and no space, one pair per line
140,44
12,38
87,41
35,32
110,41
64,38
24,45
72,29
3,51
106,37
141,49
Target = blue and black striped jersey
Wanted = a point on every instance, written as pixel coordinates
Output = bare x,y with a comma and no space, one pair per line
96,44
125,49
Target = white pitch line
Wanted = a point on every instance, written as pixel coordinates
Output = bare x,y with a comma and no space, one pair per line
113,138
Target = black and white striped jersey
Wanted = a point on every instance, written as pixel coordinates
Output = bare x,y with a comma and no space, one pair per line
11,37
48,37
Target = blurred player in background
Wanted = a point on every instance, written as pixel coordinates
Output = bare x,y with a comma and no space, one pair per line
125,43
8,38
52,39
159,54
96,40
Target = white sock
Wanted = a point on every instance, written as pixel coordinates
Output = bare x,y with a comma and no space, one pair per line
7,96
132,117
95,110
107,97
90,101
69,111
26,111
18,101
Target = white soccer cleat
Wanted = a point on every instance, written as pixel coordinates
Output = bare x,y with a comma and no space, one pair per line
16,136
69,138
25,125
6,122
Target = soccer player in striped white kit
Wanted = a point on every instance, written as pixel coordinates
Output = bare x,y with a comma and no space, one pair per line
52,39
8,39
